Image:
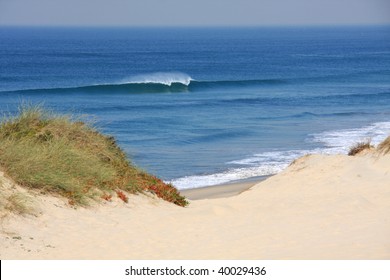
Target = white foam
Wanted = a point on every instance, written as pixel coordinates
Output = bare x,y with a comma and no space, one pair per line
339,141
197,181
165,78
262,164
272,162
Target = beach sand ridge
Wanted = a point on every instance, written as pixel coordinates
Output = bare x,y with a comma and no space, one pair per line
320,207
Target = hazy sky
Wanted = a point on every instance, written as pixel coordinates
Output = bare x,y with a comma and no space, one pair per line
193,12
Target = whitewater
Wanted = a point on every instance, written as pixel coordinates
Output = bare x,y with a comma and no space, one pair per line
165,78
272,162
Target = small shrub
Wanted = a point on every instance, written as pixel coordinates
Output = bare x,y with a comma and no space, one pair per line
359,147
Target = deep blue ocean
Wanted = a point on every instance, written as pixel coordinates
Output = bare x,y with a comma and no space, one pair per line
206,106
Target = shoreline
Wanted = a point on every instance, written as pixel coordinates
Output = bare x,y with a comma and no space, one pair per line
223,190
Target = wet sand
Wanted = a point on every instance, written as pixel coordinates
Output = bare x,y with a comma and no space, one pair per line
222,190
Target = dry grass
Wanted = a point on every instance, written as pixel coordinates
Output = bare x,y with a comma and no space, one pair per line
2,196
21,204
60,154
15,200
359,147
384,147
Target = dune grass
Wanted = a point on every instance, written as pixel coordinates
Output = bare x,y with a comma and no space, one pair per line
60,154
359,147
15,200
20,203
384,147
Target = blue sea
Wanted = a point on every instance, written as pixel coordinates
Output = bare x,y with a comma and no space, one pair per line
205,106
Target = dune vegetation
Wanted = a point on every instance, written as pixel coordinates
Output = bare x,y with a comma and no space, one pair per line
60,154
359,147
384,147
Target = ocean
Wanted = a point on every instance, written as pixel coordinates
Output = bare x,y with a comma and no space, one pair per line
205,106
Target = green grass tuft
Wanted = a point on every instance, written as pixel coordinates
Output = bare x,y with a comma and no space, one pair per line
60,154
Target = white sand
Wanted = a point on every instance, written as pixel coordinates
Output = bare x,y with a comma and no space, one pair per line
321,207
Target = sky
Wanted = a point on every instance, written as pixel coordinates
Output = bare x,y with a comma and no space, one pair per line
193,12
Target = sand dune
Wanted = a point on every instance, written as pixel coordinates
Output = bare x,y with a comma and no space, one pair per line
321,207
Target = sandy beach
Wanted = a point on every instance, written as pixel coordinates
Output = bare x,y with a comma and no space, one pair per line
320,207
223,190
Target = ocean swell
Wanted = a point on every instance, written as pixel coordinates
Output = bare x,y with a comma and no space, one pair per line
154,83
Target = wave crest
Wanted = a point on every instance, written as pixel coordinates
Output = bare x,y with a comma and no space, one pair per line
164,78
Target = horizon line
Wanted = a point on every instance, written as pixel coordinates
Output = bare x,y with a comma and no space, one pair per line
201,26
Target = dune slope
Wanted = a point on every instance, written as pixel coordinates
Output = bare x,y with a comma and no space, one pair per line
321,207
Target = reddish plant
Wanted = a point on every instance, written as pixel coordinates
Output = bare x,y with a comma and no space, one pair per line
168,193
122,196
